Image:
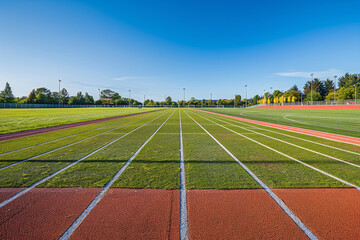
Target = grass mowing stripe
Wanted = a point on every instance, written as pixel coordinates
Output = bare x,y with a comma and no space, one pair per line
322,154
283,206
294,159
71,144
287,135
183,204
67,234
54,140
70,165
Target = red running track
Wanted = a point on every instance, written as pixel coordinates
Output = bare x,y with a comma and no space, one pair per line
9,136
331,136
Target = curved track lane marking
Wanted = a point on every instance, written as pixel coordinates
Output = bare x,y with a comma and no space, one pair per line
283,206
67,234
70,144
285,155
183,205
2,204
329,136
291,144
303,139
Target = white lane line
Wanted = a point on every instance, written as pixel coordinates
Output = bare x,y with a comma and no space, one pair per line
183,204
68,145
287,210
2,204
291,144
62,138
287,135
281,153
67,234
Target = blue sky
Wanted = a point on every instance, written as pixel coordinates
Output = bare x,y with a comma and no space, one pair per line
160,47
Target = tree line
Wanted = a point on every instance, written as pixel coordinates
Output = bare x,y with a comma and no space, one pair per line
323,90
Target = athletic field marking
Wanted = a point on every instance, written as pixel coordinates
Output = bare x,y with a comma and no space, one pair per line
182,133
320,136
281,153
2,204
68,145
283,206
67,234
183,204
54,140
253,127
291,144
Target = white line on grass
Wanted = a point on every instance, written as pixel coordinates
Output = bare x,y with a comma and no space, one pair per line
67,234
183,204
291,144
2,204
268,130
71,144
293,217
281,153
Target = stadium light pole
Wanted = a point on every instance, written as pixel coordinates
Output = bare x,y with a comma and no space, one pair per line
335,88
184,95
129,97
312,78
59,91
245,96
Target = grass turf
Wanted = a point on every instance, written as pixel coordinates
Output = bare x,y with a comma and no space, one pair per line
16,120
345,122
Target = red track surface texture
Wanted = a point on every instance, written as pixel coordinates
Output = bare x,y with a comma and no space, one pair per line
49,129
330,136
45,213
321,107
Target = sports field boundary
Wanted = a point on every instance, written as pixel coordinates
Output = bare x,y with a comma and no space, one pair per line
8,136
325,135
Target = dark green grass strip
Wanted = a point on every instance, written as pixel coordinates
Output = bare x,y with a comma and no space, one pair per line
339,169
25,174
344,122
157,165
207,165
273,169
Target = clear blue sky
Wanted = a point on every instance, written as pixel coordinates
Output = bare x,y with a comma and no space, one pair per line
159,47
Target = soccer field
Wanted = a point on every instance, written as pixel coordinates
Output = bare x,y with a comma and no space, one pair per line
346,122
179,161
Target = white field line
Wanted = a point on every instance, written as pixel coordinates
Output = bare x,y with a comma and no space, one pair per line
283,206
54,140
294,159
2,204
183,204
67,234
268,130
68,145
291,144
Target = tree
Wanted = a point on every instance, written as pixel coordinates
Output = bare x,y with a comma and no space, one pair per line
32,97
329,86
237,100
295,88
41,98
316,97
348,80
7,93
64,96
168,100
89,100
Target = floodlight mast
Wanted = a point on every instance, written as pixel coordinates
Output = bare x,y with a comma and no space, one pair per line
245,96
59,91
335,88
312,78
129,97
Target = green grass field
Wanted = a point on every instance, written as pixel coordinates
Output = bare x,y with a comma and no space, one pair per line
16,120
345,122
207,165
